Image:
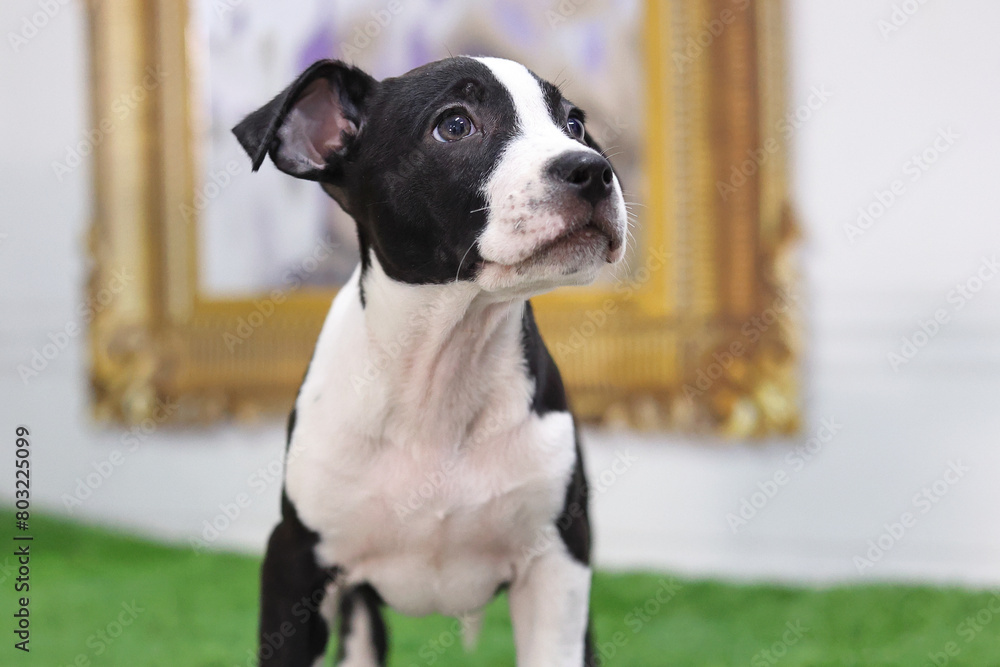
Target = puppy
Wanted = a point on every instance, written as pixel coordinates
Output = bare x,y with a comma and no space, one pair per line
432,460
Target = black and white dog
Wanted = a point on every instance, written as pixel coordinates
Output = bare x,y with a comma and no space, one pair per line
432,459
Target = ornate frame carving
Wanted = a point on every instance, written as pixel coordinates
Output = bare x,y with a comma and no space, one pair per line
650,350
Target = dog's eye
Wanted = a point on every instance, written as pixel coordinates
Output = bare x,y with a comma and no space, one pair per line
454,127
575,127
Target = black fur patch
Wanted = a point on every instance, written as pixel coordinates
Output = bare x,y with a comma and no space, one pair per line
573,522
549,393
418,202
292,589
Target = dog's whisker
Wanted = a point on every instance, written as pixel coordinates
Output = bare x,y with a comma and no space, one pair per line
462,261
560,80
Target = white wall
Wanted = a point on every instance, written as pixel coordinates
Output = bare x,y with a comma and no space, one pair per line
669,509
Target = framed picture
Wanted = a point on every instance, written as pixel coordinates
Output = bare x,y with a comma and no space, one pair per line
235,273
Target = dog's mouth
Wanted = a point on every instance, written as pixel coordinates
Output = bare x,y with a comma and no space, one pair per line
569,242
594,237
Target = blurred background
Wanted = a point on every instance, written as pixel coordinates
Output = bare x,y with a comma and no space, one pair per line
892,478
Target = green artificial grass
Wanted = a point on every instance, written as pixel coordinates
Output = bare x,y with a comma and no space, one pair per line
184,609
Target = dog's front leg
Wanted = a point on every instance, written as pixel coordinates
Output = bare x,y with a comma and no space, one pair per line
293,631
549,603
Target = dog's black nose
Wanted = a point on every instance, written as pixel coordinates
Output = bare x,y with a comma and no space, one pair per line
588,173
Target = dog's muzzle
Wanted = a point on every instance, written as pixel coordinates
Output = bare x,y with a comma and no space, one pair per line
588,177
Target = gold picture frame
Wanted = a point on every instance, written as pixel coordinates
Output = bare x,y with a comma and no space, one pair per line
673,345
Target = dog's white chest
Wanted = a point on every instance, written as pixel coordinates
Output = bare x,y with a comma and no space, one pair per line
439,532
434,509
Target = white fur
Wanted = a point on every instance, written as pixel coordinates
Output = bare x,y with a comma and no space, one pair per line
520,216
548,608
359,650
328,610
424,394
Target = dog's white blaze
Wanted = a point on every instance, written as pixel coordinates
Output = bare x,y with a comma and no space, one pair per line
415,454
529,101
520,220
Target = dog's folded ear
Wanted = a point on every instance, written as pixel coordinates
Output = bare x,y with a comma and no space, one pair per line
309,127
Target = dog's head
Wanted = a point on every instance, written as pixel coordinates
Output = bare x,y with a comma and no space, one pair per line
468,169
